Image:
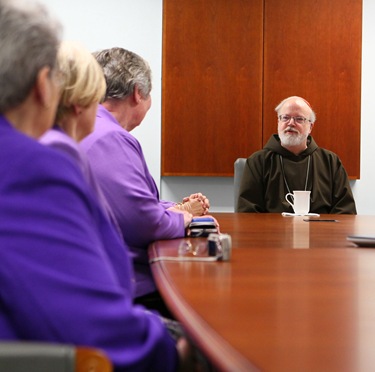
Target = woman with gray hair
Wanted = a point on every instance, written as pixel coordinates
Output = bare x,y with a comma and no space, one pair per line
27,66
58,250
118,162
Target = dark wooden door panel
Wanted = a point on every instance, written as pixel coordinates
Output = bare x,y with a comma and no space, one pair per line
313,49
212,79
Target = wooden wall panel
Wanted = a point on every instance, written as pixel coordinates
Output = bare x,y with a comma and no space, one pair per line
212,85
313,49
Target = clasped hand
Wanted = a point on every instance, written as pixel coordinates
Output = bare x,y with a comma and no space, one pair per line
194,205
197,204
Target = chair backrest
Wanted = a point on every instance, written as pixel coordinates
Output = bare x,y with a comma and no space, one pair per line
46,357
239,166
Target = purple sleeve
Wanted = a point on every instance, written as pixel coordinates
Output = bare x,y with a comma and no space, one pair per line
166,204
57,281
118,162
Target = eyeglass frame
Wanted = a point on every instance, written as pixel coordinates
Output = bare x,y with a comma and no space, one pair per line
295,118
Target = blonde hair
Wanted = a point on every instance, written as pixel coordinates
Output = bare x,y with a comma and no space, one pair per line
83,78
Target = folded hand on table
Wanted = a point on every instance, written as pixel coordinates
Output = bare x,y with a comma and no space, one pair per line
197,204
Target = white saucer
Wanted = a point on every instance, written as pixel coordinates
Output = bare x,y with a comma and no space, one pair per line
286,214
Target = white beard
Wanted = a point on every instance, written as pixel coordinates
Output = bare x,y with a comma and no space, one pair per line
292,139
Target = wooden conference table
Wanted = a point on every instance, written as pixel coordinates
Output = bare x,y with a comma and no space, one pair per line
295,296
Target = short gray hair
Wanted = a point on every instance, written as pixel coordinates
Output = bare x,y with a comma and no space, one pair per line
123,71
29,40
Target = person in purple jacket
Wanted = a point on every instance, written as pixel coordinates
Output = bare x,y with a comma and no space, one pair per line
118,162
58,280
83,88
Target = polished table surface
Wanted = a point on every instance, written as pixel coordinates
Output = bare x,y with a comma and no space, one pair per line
295,296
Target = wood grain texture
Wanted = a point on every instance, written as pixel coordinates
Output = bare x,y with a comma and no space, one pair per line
211,89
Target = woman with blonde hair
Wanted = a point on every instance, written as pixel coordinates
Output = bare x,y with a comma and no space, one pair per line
83,88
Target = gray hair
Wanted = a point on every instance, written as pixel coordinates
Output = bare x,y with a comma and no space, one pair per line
29,40
123,71
312,117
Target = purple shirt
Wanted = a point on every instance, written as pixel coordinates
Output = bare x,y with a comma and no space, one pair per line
119,165
58,281
59,140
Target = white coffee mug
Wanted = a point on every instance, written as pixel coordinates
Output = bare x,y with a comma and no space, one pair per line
301,201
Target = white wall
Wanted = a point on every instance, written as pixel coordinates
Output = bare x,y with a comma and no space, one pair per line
364,187
137,25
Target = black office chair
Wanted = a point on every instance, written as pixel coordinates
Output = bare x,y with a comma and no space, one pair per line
46,357
239,166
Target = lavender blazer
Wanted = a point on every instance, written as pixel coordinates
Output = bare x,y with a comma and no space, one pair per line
58,280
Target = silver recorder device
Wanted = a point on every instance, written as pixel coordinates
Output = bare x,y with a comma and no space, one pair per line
220,246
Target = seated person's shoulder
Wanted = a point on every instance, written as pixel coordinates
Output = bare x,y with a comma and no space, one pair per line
258,156
46,162
111,138
328,155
